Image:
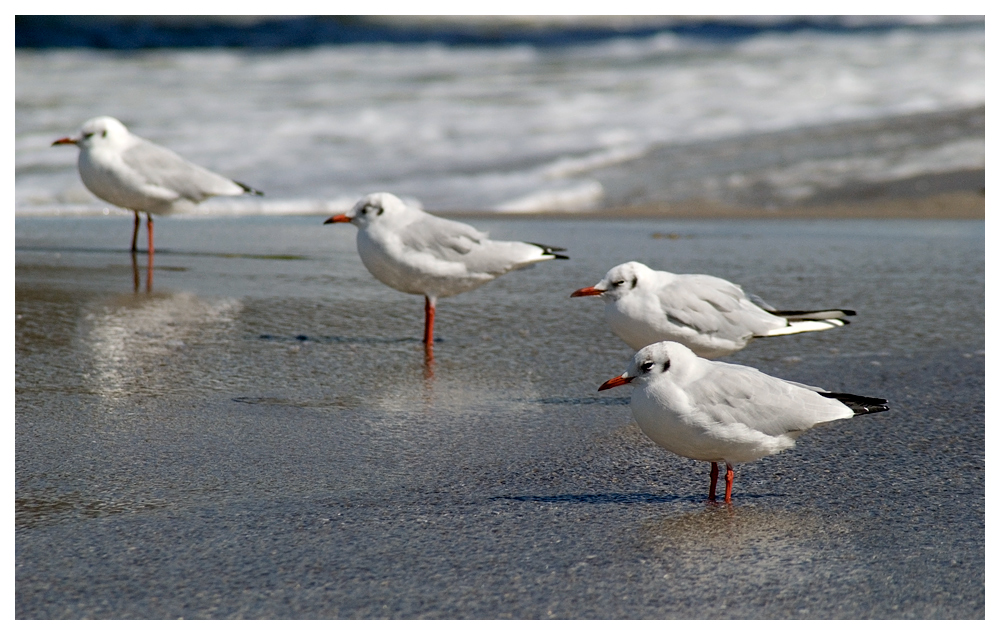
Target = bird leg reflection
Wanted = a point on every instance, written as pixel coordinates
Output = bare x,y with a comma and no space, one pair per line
428,362
149,272
135,272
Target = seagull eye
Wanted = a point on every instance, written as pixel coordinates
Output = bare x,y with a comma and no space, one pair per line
646,366
88,135
617,283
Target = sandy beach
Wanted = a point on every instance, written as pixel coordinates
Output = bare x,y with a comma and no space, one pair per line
258,435
966,204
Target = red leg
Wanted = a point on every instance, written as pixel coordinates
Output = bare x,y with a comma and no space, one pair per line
429,321
149,230
715,477
729,481
149,268
135,231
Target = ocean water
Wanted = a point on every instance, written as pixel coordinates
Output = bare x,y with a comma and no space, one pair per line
775,112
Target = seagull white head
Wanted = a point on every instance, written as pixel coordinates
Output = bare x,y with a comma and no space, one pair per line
378,207
98,132
618,282
654,362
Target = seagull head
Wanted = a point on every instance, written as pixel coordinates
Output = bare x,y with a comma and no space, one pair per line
98,132
654,362
373,208
617,283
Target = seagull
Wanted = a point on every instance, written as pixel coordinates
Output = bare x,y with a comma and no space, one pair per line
415,252
715,411
711,316
131,172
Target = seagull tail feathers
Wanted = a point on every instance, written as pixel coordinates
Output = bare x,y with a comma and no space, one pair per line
248,189
548,250
860,405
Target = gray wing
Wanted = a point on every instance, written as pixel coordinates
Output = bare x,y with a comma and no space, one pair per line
732,393
457,242
445,239
161,167
713,306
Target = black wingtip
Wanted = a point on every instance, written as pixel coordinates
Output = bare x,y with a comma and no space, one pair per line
859,404
550,251
822,314
248,189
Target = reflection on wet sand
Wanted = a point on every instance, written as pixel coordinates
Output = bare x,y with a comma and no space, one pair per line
149,272
763,545
135,341
735,528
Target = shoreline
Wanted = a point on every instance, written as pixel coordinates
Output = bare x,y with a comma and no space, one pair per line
954,205
944,206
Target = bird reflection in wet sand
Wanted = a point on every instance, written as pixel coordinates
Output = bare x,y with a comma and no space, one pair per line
415,252
714,411
136,340
149,272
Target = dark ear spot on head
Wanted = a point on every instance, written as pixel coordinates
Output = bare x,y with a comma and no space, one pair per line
104,133
380,210
634,282
666,365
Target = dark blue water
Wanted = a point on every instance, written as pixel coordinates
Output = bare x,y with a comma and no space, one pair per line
142,32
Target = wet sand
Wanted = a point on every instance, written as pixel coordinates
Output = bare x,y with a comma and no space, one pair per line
259,435
960,204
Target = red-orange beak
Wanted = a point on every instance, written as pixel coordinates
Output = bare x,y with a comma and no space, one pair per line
620,380
586,291
64,141
337,218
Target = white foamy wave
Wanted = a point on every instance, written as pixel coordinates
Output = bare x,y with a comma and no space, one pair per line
582,197
481,127
571,166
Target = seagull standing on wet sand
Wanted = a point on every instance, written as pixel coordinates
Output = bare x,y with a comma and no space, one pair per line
415,252
711,316
131,172
714,411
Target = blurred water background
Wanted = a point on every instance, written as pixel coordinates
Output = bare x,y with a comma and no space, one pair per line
516,115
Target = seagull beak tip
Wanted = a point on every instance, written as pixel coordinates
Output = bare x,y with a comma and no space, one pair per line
579,293
614,382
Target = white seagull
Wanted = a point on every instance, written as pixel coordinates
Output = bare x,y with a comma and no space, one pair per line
711,316
714,411
415,252
137,174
